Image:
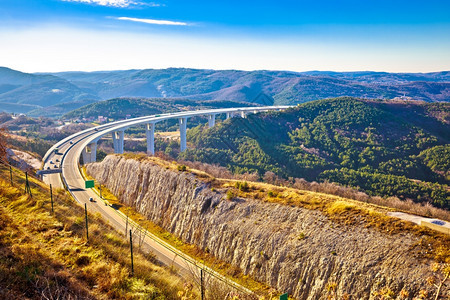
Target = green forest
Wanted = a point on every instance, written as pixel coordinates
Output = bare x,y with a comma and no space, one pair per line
386,148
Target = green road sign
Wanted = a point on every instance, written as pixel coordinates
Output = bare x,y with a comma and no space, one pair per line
89,184
284,297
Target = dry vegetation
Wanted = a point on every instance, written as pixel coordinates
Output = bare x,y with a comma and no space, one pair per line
408,206
46,256
345,212
341,210
334,201
201,255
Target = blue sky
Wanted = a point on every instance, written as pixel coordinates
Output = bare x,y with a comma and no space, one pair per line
338,35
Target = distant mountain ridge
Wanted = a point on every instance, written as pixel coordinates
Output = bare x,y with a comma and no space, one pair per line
42,90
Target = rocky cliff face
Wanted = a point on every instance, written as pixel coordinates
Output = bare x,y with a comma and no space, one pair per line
295,250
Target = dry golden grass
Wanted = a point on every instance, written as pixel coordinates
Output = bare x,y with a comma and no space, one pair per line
347,212
46,255
341,210
204,257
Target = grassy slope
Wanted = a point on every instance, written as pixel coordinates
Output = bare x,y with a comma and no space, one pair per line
46,255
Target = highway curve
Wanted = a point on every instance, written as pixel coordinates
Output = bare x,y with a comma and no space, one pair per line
67,157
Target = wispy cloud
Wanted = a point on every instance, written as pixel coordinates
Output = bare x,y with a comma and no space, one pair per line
115,3
155,22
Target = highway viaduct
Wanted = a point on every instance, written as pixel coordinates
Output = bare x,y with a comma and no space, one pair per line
118,131
68,151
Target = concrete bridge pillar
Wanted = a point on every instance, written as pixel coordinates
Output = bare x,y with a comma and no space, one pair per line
182,122
118,141
89,153
93,147
243,114
211,120
150,133
86,155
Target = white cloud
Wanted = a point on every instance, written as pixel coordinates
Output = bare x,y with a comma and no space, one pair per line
151,21
113,3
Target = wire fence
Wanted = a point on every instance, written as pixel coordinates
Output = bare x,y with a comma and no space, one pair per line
205,277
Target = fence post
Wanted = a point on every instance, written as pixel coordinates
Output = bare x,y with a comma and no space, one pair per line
202,287
27,185
51,197
85,214
131,248
126,228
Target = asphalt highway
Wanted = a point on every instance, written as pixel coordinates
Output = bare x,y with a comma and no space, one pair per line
67,158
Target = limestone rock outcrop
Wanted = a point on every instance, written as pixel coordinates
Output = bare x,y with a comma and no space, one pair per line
293,249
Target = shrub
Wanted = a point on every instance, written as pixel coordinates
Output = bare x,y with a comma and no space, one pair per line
272,193
181,168
242,186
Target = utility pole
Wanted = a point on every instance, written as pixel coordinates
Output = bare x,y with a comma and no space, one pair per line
51,197
131,248
85,214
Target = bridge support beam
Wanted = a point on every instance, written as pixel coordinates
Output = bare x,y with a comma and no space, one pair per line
150,133
183,128
211,120
118,141
243,114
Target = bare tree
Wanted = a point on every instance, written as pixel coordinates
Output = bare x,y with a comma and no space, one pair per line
3,143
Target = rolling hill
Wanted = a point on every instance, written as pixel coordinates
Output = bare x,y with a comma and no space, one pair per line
122,108
261,87
387,148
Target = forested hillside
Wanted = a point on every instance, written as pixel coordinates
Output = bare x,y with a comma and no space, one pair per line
122,108
384,148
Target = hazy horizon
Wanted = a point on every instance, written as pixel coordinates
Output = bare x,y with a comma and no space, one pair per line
218,70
